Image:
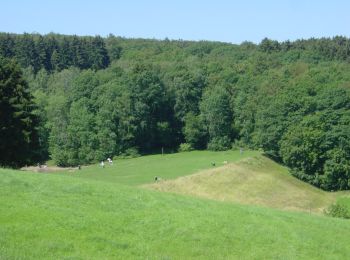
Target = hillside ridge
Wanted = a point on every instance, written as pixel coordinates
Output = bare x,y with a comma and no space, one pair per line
255,180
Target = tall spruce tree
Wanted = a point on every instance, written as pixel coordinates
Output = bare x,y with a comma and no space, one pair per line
18,134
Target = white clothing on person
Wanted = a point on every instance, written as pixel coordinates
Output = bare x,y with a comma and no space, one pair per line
110,160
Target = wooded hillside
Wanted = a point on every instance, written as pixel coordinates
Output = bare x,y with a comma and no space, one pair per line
100,97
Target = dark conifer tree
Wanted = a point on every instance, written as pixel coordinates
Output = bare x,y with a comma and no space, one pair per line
18,134
98,54
26,53
43,53
7,44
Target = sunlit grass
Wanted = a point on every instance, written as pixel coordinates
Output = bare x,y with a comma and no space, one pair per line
143,169
256,181
49,216
103,213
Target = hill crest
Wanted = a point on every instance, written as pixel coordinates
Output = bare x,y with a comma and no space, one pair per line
254,181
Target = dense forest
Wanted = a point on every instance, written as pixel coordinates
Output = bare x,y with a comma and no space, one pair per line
89,98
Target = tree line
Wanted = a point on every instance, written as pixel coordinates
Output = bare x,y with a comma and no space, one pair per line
289,99
54,52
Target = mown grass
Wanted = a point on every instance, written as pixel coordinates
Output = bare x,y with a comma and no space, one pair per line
143,169
50,216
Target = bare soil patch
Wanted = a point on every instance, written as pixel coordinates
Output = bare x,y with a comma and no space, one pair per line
48,169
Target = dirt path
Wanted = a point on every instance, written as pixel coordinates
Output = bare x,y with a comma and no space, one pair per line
48,169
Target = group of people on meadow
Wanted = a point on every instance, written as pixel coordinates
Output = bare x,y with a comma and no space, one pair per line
109,160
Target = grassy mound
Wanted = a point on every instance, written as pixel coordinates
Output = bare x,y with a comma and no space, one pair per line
50,216
255,180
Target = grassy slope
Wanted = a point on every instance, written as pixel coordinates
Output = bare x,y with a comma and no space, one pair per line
143,169
52,216
257,181
345,200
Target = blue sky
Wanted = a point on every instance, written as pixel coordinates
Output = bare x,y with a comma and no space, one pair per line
219,20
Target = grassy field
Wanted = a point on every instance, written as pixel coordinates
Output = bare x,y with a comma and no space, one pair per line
256,180
50,216
143,169
100,213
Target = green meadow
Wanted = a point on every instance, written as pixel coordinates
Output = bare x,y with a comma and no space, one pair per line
141,170
109,213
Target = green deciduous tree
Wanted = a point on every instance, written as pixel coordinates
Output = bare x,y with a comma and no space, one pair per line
217,116
195,131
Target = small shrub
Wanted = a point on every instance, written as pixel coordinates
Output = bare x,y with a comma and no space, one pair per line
185,147
219,144
239,144
338,211
132,152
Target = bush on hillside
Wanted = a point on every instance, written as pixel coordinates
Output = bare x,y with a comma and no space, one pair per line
337,210
185,147
219,144
131,152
